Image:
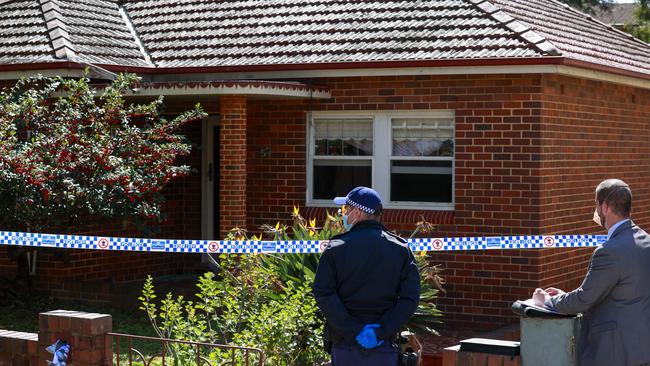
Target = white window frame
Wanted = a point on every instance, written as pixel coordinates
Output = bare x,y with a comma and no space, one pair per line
382,154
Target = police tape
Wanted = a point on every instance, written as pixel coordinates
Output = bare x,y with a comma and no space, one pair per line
288,246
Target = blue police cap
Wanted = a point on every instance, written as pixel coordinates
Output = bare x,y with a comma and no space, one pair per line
364,198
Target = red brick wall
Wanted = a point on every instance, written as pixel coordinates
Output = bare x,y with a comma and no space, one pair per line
232,147
530,150
497,129
591,131
18,348
275,183
510,178
498,125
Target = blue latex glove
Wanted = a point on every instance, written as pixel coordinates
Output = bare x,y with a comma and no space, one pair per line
60,350
61,355
367,338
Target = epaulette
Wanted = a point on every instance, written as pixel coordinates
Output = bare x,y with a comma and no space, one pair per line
334,242
392,237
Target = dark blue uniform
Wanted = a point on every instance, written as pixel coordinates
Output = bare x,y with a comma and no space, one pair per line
366,275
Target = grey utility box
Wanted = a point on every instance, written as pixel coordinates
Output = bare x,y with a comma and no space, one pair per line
549,341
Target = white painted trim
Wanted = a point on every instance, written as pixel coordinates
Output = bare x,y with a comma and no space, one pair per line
292,74
275,75
381,158
207,186
446,70
579,72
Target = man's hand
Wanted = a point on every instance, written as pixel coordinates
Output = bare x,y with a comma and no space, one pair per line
540,296
367,338
554,291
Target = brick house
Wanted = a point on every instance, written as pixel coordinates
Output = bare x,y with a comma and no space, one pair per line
483,117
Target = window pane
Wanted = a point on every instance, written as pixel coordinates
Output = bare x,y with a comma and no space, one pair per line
343,137
337,178
421,181
422,137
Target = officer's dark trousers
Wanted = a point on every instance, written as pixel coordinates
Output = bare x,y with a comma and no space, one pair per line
354,355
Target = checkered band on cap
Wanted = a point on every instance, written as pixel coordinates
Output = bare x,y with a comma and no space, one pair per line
360,206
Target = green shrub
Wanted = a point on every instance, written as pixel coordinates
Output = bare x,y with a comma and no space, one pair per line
70,156
245,306
302,267
264,300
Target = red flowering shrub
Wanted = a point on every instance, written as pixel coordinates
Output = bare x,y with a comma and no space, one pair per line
69,156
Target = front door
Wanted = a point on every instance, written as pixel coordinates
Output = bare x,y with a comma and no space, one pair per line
210,178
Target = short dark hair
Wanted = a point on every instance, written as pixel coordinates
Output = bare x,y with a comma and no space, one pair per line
378,210
617,194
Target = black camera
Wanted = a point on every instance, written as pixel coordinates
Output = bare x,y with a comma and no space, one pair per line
408,357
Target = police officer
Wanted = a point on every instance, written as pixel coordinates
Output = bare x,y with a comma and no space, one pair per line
367,285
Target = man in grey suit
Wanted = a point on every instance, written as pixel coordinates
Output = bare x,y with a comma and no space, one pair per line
614,297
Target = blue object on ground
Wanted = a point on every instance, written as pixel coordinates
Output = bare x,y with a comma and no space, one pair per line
60,349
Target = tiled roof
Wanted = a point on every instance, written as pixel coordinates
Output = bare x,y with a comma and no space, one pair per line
99,34
248,32
90,31
579,36
219,33
23,34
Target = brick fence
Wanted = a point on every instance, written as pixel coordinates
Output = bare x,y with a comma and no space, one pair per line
85,332
18,348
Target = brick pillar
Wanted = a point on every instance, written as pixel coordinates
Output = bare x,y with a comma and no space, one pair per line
232,167
85,332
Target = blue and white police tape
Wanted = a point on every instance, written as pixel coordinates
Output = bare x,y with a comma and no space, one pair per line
288,246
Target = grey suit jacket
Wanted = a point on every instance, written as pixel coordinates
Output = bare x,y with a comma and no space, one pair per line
615,301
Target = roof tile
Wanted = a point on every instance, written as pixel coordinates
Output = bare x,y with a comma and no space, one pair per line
487,7
99,34
578,36
207,33
23,34
197,33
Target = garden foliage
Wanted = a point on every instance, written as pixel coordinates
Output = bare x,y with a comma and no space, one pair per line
265,301
70,155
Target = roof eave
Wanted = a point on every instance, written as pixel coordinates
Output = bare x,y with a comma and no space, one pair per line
603,68
549,60
259,88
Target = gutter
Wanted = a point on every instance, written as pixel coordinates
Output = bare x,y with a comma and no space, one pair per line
347,65
538,61
608,69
